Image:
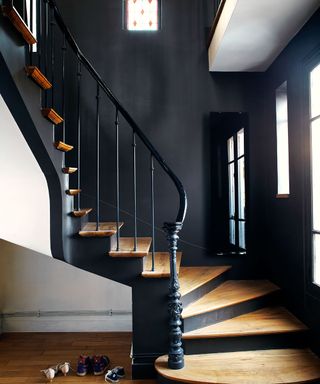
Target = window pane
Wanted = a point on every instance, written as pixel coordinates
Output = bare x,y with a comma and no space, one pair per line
316,259
232,233
315,164
282,139
230,149
241,188
142,15
315,91
240,139
231,190
242,235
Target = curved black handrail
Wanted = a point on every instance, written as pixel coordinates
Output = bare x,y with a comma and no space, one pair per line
74,46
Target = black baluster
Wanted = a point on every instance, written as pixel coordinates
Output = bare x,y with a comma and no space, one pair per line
45,46
98,157
152,209
31,29
52,42
79,131
134,146
118,179
63,90
39,32
176,354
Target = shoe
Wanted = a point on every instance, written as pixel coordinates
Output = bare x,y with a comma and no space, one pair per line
119,371
100,364
84,365
64,368
49,373
112,377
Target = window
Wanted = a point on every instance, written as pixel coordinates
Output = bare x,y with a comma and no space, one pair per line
282,140
142,15
237,196
315,170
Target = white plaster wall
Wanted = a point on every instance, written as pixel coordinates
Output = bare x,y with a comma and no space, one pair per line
24,195
31,282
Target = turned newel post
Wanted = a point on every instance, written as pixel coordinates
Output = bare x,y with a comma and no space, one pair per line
176,355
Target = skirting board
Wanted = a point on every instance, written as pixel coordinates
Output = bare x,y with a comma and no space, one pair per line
93,323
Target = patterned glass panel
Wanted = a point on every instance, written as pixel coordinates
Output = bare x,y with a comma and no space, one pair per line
142,15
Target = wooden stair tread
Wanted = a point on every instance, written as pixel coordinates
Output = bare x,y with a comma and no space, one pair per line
161,265
192,278
274,366
126,247
61,146
52,115
69,170
17,21
73,192
82,212
229,293
35,73
105,229
265,321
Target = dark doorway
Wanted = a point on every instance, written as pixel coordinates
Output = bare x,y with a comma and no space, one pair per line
230,179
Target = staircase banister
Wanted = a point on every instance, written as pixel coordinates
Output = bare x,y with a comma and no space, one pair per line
74,46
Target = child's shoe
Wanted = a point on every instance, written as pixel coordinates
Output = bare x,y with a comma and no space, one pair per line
119,371
84,365
100,364
49,373
64,368
112,377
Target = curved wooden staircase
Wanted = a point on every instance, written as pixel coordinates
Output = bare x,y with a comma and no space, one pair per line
234,331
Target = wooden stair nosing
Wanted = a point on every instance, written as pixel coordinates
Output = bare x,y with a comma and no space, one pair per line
285,366
51,115
69,170
73,192
63,147
161,267
35,73
106,229
20,25
82,212
230,293
265,321
126,247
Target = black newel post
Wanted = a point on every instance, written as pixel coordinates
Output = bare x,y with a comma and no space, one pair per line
176,355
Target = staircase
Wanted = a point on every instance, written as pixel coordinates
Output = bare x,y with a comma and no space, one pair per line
231,331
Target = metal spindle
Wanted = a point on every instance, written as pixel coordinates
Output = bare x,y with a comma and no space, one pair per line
45,46
98,158
31,29
118,178
152,210
79,131
63,91
134,146
52,24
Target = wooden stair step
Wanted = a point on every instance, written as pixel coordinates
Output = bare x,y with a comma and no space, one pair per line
105,229
126,247
73,192
265,321
52,115
69,170
230,293
275,366
82,212
192,278
161,265
35,73
17,21
61,146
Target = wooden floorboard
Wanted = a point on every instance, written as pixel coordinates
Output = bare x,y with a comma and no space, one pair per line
23,355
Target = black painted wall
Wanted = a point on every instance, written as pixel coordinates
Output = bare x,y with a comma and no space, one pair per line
162,79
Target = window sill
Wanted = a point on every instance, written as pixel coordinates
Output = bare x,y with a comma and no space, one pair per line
282,196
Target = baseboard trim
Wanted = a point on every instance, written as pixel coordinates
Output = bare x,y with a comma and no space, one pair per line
143,366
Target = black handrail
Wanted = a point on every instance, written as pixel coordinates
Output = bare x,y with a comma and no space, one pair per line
74,46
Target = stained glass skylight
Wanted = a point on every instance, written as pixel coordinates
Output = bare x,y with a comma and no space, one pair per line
142,15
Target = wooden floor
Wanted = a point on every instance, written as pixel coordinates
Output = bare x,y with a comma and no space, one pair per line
23,355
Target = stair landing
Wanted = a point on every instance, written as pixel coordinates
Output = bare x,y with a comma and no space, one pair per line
273,366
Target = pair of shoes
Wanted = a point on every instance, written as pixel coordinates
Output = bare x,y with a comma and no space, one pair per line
115,374
96,364
51,372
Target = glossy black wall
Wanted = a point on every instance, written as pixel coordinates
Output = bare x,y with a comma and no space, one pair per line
162,78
